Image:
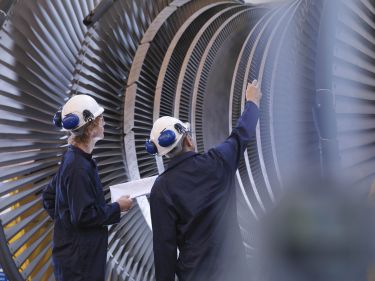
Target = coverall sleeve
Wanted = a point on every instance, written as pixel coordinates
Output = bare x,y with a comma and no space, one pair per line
164,236
234,146
85,208
48,196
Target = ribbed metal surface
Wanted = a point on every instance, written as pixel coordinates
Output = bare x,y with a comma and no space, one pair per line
241,20
142,81
103,71
182,55
169,75
295,136
354,88
263,54
270,52
190,65
130,255
39,44
48,55
257,40
245,179
210,92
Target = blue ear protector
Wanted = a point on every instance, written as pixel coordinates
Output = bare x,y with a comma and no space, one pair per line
71,120
166,138
151,147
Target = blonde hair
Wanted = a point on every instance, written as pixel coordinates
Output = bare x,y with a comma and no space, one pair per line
83,134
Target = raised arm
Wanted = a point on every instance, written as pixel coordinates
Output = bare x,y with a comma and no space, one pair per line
234,146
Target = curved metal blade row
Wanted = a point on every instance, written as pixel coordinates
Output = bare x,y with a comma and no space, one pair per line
354,88
246,62
251,62
267,65
244,18
271,54
210,78
184,61
188,74
244,178
295,138
103,70
130,255
39,45
177,54
254,155
294,98
140,93
253,158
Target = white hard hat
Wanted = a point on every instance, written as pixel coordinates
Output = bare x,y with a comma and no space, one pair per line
77,111
165,135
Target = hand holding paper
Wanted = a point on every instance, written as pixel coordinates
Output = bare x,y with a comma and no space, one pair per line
125,203
133,189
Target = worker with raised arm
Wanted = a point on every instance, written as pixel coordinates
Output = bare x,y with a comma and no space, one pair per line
193,202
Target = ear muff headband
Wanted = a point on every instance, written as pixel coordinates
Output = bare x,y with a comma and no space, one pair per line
180,129
87,115
57,119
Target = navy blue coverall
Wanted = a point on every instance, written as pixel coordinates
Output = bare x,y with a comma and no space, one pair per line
74,199
193,207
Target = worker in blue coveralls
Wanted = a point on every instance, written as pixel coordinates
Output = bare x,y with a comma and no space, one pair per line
74,198
193,202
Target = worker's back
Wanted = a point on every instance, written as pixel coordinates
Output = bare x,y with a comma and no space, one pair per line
193,207
201,191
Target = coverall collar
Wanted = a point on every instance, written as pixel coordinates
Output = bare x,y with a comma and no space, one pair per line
178,159
80,151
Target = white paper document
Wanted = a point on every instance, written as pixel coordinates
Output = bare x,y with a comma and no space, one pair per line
134,188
